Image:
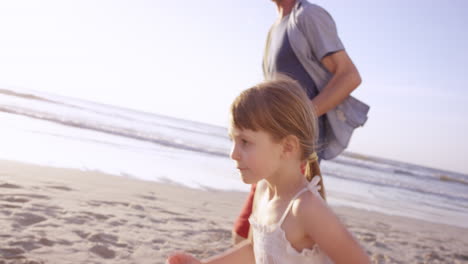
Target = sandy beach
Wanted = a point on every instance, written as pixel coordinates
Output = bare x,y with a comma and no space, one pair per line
54,215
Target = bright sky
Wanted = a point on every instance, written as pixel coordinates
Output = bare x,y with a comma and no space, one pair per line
189,59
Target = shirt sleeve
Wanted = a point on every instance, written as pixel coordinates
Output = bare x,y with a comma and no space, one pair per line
320,31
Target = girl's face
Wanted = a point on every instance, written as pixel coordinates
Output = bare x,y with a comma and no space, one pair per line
255,153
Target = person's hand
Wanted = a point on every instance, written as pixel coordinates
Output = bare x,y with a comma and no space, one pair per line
182,258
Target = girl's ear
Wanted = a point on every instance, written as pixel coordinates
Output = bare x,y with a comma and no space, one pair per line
290,146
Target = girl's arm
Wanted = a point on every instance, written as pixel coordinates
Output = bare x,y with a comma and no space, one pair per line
344,80
242,253
324,227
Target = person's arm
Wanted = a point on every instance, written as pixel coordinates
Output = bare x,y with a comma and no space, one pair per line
345,79
320,30
242,253
324,227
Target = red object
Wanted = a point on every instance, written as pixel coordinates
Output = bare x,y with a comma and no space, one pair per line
242,225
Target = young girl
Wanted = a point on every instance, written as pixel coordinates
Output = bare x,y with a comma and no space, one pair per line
273,130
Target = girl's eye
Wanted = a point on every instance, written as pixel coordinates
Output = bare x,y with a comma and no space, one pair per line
244,142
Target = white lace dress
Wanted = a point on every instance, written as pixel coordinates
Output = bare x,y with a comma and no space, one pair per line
271,245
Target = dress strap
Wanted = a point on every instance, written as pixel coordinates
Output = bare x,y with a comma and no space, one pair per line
312,187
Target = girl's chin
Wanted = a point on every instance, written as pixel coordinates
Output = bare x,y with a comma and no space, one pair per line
249,180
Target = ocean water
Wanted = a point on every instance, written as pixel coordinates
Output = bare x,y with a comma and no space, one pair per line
51,130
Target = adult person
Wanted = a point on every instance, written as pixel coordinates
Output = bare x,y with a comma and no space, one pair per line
304,44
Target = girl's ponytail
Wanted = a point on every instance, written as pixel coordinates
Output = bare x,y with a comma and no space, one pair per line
312,169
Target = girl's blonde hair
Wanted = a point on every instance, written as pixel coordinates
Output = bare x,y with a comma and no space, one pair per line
281,108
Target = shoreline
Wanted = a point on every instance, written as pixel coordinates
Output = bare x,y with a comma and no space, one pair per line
55,215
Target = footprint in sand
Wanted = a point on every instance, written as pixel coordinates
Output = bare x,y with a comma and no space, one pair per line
169,212
97,216
366,237
218,234
103,238
62,188
77,219
33,196
10,206
380,245
97,203
195,252
10,186
81,234
158,241
51,211
380,258
26,245
433,256
148,197
14,199
461,257
404,243
119,222
138,207
11,252
3,236
158,221
27,219
46,242
184,219
103,251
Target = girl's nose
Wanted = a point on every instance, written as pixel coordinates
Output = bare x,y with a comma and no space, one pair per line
234,153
